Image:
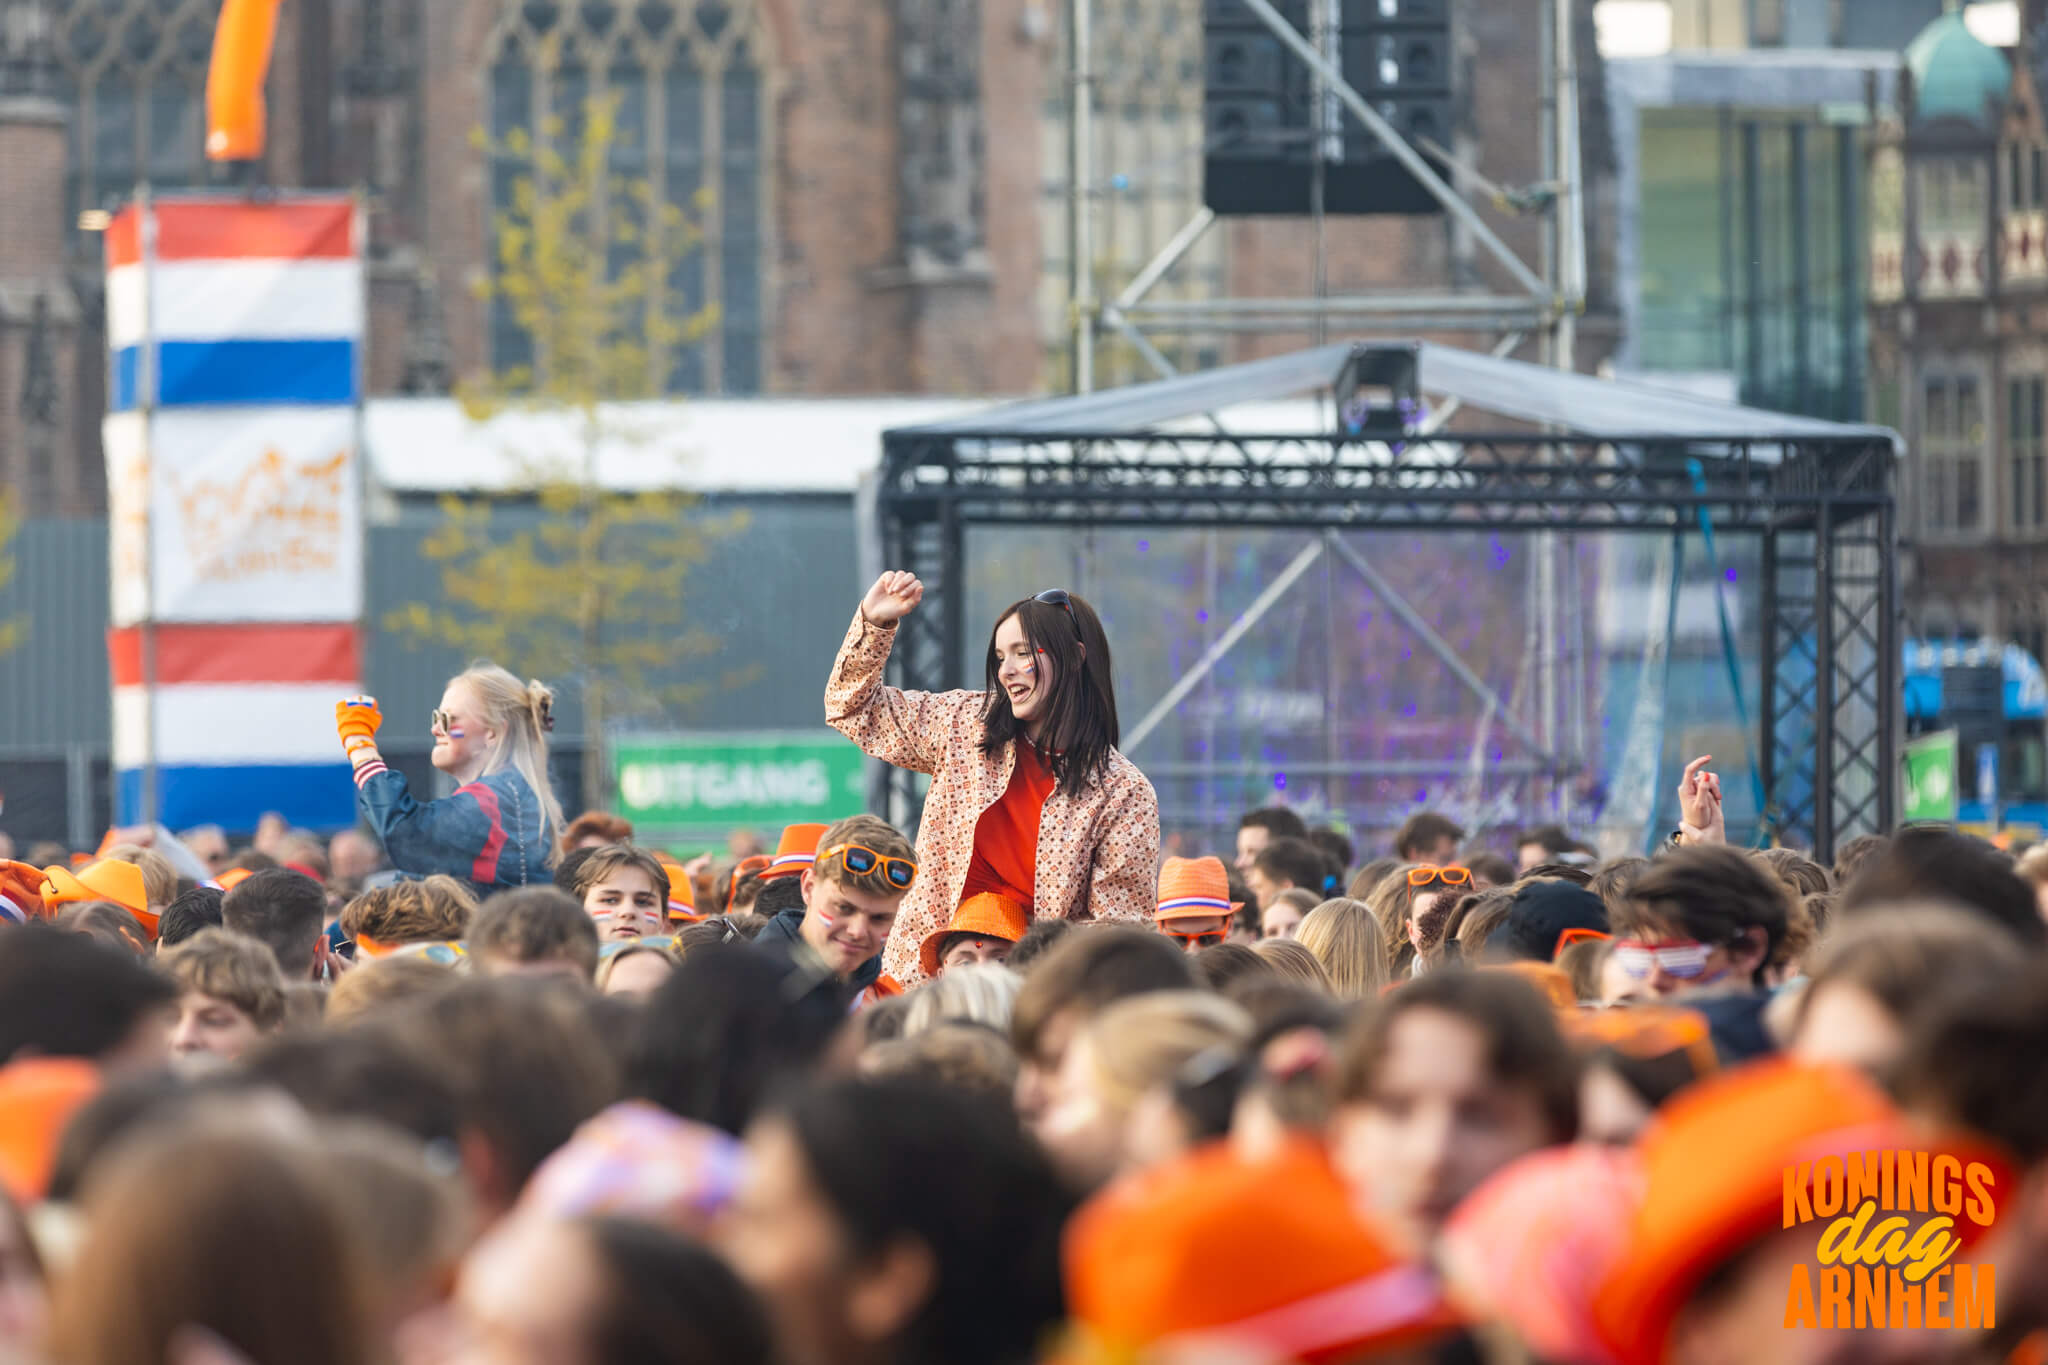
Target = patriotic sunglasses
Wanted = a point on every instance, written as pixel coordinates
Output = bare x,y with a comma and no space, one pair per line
1682,958
861,860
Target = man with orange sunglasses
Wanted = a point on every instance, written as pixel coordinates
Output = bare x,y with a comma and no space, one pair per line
864,868
1194,903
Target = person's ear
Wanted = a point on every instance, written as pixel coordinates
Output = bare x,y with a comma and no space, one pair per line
887,1295
1747,953
805,882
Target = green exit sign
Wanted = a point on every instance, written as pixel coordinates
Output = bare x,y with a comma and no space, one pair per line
713,781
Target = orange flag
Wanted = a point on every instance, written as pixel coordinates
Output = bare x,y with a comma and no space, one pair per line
235,113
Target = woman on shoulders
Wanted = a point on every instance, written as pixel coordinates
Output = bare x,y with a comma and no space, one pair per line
1030,797
502,827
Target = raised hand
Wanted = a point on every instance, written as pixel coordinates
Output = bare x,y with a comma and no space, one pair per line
894,596
356,720
1699,804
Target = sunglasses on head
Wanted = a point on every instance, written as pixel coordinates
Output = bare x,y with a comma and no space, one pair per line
1449,876
1061,598
860,860
1208,938
1682,958
1568,937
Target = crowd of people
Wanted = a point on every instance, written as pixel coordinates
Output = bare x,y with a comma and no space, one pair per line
477,1083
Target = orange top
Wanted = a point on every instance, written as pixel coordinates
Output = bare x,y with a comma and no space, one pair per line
1005,859
38,1096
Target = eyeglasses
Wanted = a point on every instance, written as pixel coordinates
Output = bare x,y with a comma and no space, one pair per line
1060,597
1682,958
860,860
1449,876
1208,938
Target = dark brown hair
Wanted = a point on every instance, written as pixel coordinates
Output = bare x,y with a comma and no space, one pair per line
1712,892
1966,1049
597,824
219,1231
533,924
1523,1044
1080,729
1425,829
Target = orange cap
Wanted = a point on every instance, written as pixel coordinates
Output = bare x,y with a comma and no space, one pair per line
989,915
795,851
1551,983
106,880
1713,1182
1194,888
682,897
38,1096
1215,1248
1531,1246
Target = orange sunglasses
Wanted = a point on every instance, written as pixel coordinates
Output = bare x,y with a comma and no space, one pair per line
1449,876
1208,938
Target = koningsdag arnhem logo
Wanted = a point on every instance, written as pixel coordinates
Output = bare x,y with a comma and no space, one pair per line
1895,1220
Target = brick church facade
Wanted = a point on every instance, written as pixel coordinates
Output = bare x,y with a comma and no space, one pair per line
883,182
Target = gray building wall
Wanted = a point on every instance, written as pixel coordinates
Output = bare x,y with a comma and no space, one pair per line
776,594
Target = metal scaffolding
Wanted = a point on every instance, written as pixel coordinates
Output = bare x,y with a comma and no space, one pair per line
1609,459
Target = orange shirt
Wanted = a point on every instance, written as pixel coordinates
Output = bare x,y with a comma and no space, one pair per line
1005,861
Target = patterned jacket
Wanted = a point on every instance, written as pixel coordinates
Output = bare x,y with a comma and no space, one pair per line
489,833
1098,853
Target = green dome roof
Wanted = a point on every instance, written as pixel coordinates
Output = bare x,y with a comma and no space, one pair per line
1954,74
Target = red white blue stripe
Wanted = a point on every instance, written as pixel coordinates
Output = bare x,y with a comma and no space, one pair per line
243,721
1205,903
239,304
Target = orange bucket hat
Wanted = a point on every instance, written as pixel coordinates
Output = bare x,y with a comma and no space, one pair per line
106,880
682,897
989,915
795,851
1265,1254
38,1096
1714,1182
21,892
1194,888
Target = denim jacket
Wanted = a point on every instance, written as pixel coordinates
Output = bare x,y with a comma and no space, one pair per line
490,833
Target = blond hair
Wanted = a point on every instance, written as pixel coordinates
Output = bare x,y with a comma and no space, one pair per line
607,965
522,714
1389,903
1295,963
1346,938
233,968
159,878
369,986
980,993
1145,1040
435,910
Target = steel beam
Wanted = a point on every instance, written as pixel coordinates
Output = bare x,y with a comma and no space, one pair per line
1420,626
1212,656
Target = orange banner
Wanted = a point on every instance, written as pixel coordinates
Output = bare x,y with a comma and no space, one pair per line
235,113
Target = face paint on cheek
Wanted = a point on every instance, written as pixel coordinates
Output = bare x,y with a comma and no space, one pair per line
455,732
